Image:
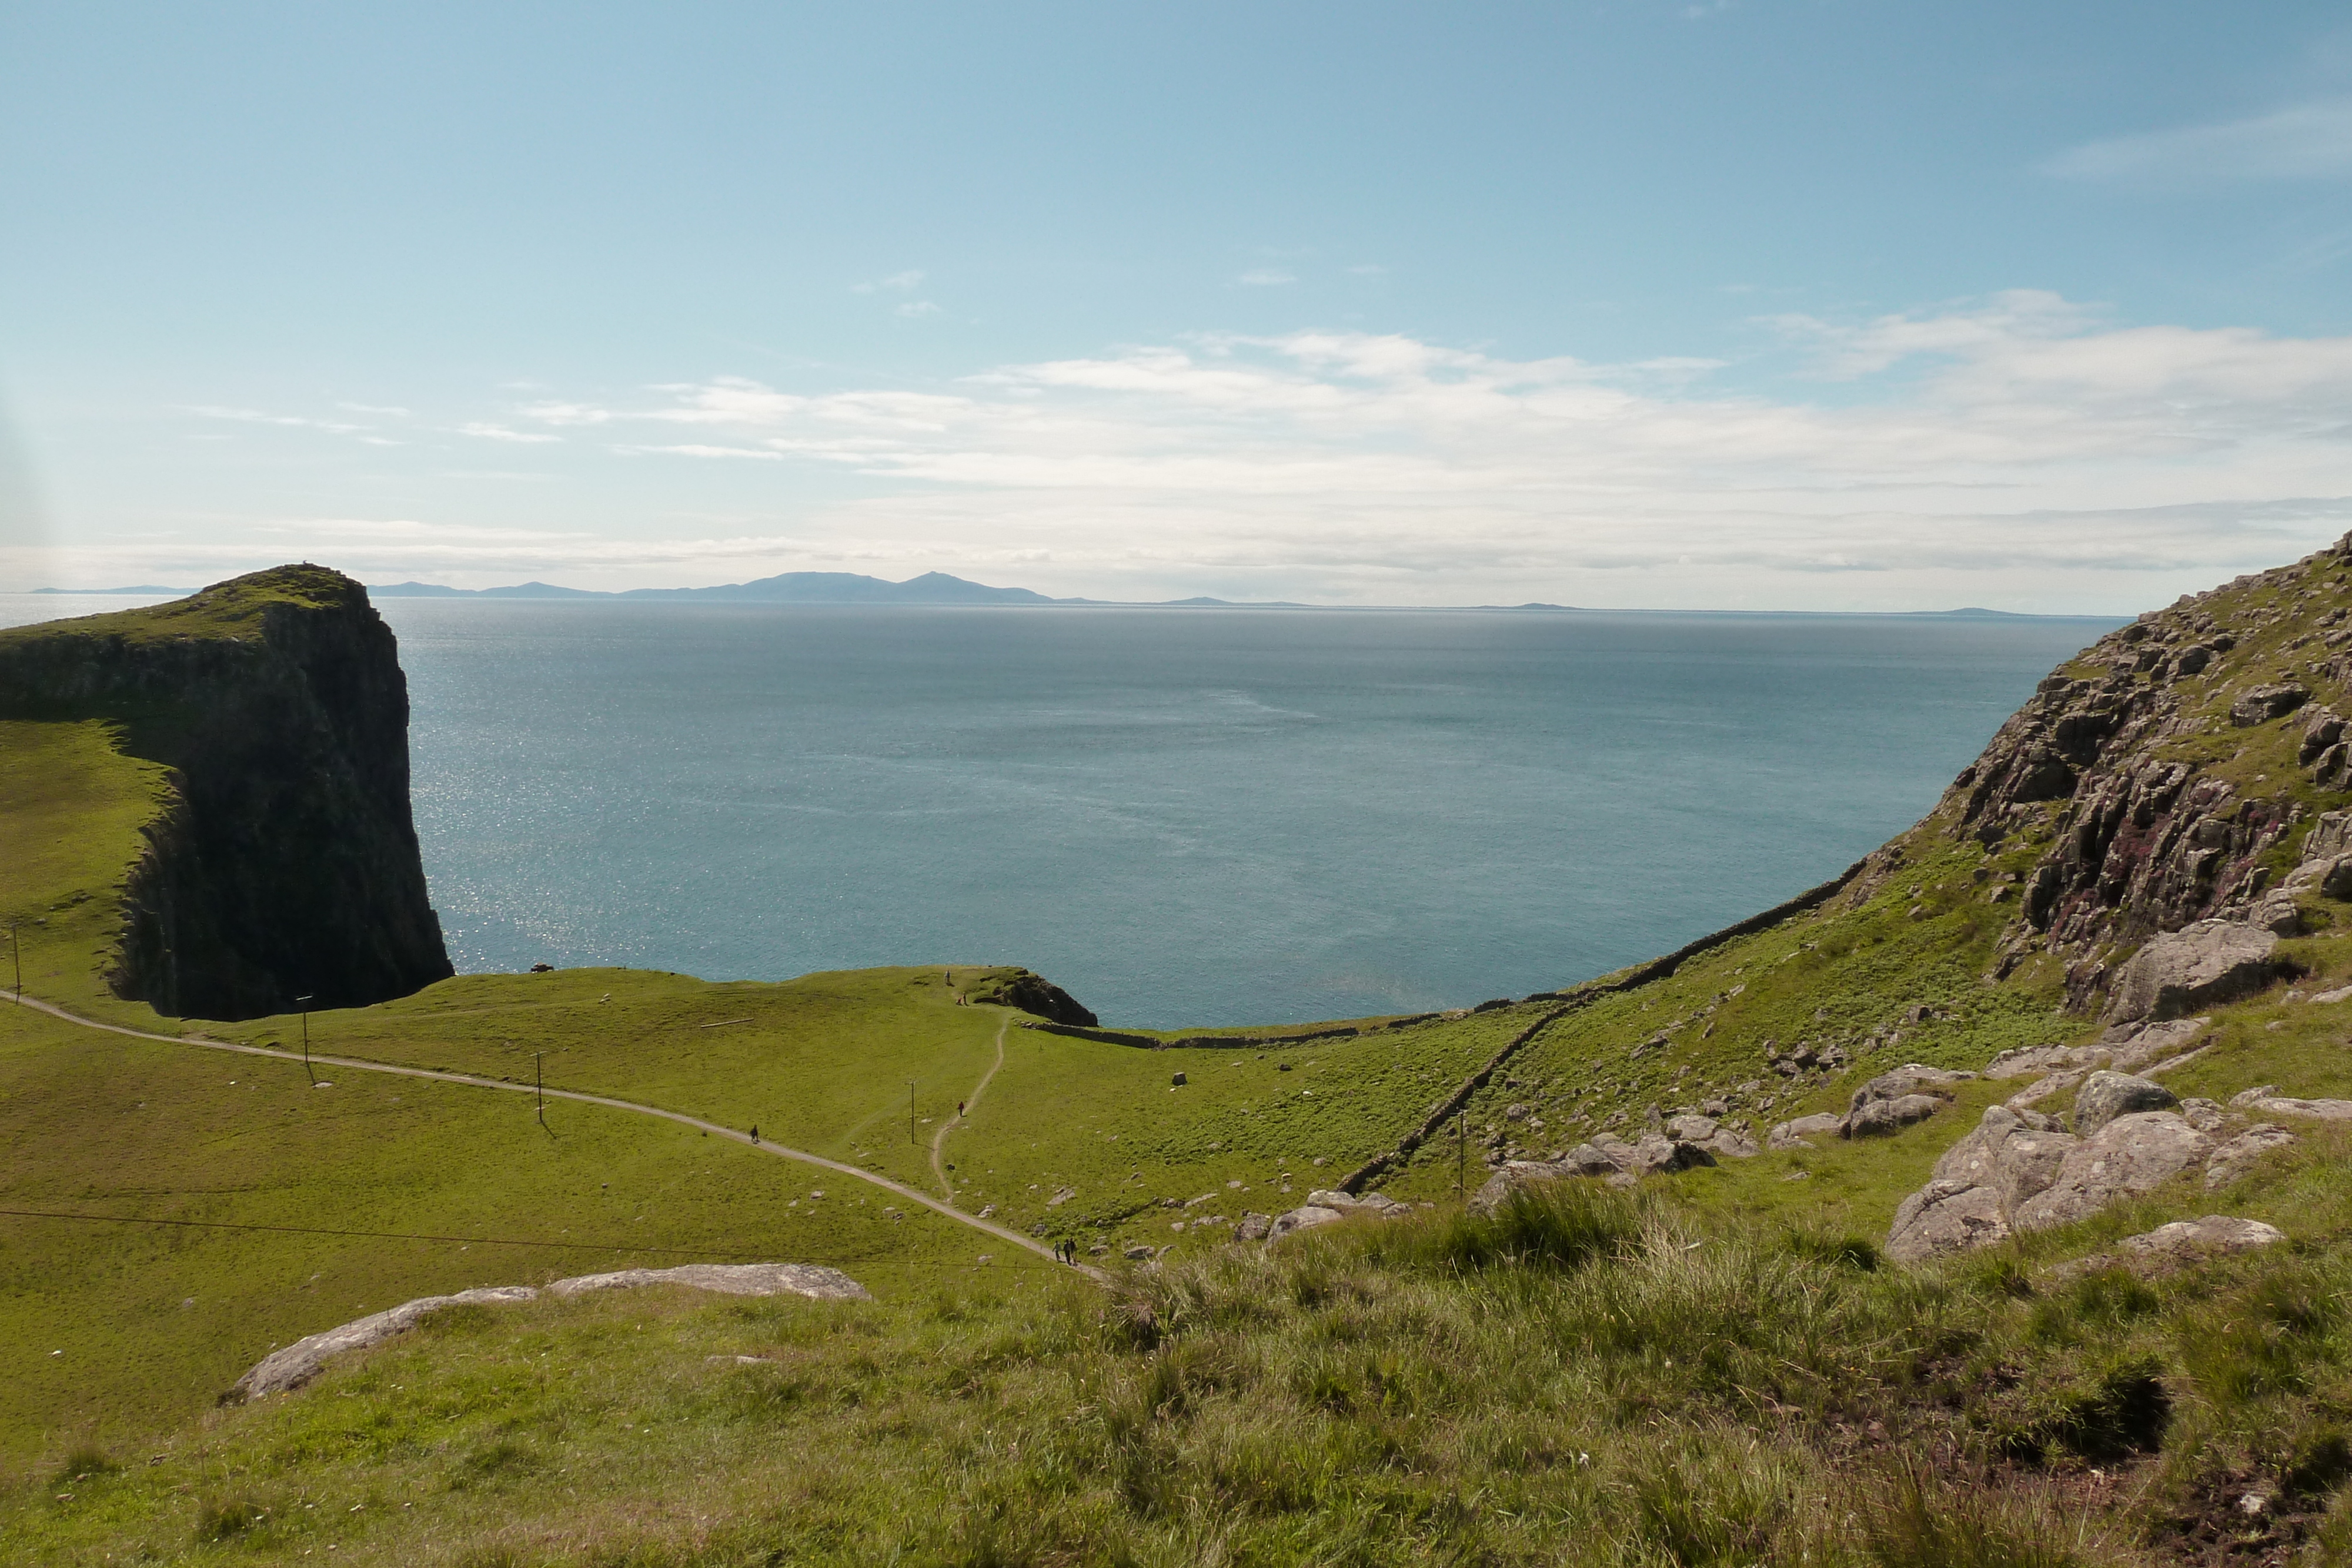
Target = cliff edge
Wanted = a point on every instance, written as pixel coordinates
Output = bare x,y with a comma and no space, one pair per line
286,865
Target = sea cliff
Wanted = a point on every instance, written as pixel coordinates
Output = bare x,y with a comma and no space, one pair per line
286,864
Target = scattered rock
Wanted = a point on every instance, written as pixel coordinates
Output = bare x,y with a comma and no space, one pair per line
1945,1216
2210,962
1255,1227
1793,1134
1657,1155
2266,1101
1139,1254
2214,1233
2236,1157
1893,1101
2107,1095
1304,1218
1176,1080
1061,1197
1691,1129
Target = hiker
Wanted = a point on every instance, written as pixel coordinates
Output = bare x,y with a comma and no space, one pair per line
958,1107
755,1132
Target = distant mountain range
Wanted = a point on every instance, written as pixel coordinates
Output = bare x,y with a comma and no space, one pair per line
785,587
939,588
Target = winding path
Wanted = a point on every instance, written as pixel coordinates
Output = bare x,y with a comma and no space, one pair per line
940,1138
912,1195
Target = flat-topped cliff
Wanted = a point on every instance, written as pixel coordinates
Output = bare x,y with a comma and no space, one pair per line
287,864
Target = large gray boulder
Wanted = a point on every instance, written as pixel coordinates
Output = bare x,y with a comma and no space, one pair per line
1657,1155
1945,1216
1798,1132
1893,1100
2132,1153
1877,1118
2210,962
1980,1184
2107,1095
2186,1239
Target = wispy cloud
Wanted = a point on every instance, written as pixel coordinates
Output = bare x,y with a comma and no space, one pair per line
289,421
2309,141
1266,278
897,283
486,431
914,310
2005,435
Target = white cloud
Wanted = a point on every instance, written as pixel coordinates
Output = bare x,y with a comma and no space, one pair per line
915,309
2305,141
897,283
2014,435
1266,278
290,420
386,408
500,433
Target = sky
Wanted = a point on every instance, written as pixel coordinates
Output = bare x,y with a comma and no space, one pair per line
1744,304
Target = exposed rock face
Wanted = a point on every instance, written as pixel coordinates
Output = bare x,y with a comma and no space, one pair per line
285,1369
286,865
1794,1134
1893,1100
1037,995
2137,1153
2236,1157
2019,1172
2213,961
2107,1095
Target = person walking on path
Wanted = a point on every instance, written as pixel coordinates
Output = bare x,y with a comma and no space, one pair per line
755,1132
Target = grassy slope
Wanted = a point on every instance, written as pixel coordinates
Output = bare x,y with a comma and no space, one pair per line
154,1322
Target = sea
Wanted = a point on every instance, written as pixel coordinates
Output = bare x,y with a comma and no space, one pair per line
1185,817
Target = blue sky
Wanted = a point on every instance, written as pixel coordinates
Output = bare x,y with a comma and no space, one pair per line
1801,305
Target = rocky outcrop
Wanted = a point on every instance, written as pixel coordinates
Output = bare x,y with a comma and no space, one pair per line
2105,1096
2019,1171
283,1371
1037,996
2209,962
286,864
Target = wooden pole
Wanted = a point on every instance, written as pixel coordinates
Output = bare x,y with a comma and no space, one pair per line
16,950
911,1135
1461,1155
538,1082
304,1003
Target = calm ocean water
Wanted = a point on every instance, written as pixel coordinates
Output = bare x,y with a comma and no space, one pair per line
1185,817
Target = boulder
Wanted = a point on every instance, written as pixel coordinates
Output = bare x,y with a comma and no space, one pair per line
1734,1144
1910,1079
1878,1118
1691,1129
1793,1134
2132,1153
2263,704
1593,1160
2186,1239
2267,1102
1658,1154
2107,1095
1305,1218
1944,1216
1253,1226
2236,1157
2210,962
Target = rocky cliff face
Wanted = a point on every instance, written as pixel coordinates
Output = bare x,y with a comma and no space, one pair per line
2169,774
286,865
